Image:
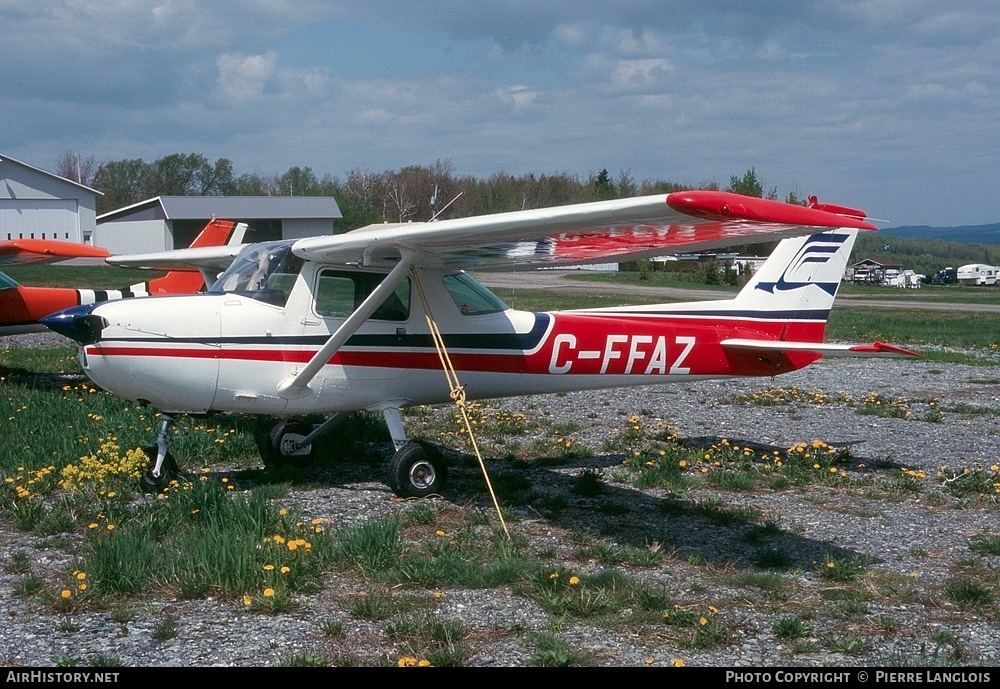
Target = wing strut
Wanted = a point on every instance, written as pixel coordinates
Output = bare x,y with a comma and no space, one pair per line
298,385
457,390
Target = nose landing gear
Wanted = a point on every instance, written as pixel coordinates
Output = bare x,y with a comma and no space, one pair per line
162,467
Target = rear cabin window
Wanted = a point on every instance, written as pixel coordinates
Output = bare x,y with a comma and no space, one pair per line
339,293
471,298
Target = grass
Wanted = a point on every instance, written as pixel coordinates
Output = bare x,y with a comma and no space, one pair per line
788,628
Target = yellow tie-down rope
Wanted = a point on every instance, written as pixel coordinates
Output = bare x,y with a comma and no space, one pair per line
457,390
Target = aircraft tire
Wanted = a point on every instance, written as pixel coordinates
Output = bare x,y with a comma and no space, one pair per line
416,471
156,484
270,441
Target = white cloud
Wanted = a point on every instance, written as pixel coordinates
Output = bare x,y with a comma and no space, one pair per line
243,78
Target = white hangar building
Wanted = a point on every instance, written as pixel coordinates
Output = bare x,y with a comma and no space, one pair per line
35,204
172,222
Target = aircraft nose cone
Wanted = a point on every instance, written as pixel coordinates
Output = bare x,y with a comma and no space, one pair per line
77,323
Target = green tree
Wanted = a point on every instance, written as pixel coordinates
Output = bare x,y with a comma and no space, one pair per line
299,181
604,189
749,185
121,182
187,174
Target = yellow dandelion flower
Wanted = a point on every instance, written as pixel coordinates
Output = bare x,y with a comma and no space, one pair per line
437,594
574,580
247,600
831,565
66,593
406,661
682,463
286,569
649,661
268,593
702,621
554,575
268,568
81,575
424,663
439,532
713,609
677,662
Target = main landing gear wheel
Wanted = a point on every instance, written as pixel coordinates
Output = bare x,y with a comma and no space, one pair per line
416,471
277,445
156,484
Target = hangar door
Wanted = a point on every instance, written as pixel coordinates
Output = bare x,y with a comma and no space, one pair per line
39,219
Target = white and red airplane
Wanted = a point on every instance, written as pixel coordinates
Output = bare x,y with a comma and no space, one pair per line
22,306
368,319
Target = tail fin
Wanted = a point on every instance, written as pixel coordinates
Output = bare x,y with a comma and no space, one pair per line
800,280
216,233
799,283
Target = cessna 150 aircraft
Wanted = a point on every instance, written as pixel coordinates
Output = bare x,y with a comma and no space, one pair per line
21,307
368,319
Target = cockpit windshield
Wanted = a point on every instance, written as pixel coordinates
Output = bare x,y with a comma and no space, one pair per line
7,282
265,271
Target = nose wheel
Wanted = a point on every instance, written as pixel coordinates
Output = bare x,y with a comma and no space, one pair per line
162,467
152,481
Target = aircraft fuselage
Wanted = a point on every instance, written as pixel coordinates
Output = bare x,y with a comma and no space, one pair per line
230,352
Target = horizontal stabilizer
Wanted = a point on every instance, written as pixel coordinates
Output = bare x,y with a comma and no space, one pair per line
875,349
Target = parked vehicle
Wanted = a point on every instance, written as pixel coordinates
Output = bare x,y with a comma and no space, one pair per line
978,274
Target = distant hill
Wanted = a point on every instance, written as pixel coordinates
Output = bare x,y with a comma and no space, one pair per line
964,234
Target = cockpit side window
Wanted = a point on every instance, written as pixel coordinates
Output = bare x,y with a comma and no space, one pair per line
7,282
265,272
471,298
339,293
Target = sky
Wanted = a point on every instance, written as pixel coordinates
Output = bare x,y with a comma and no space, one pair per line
890,106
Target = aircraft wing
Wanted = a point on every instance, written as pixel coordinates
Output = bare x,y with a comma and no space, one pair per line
604,231
16,252
209,258
210,251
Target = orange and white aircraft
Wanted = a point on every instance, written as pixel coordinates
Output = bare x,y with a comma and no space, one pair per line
368,319
21,307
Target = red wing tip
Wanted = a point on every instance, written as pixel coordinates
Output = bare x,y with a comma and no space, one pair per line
52,247
724,205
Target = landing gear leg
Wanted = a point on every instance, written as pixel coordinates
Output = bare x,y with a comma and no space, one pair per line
162,467
417,469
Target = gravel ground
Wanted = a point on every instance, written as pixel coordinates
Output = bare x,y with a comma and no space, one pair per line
914,543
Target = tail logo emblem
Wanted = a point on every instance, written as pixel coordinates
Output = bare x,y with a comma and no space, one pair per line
815,252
